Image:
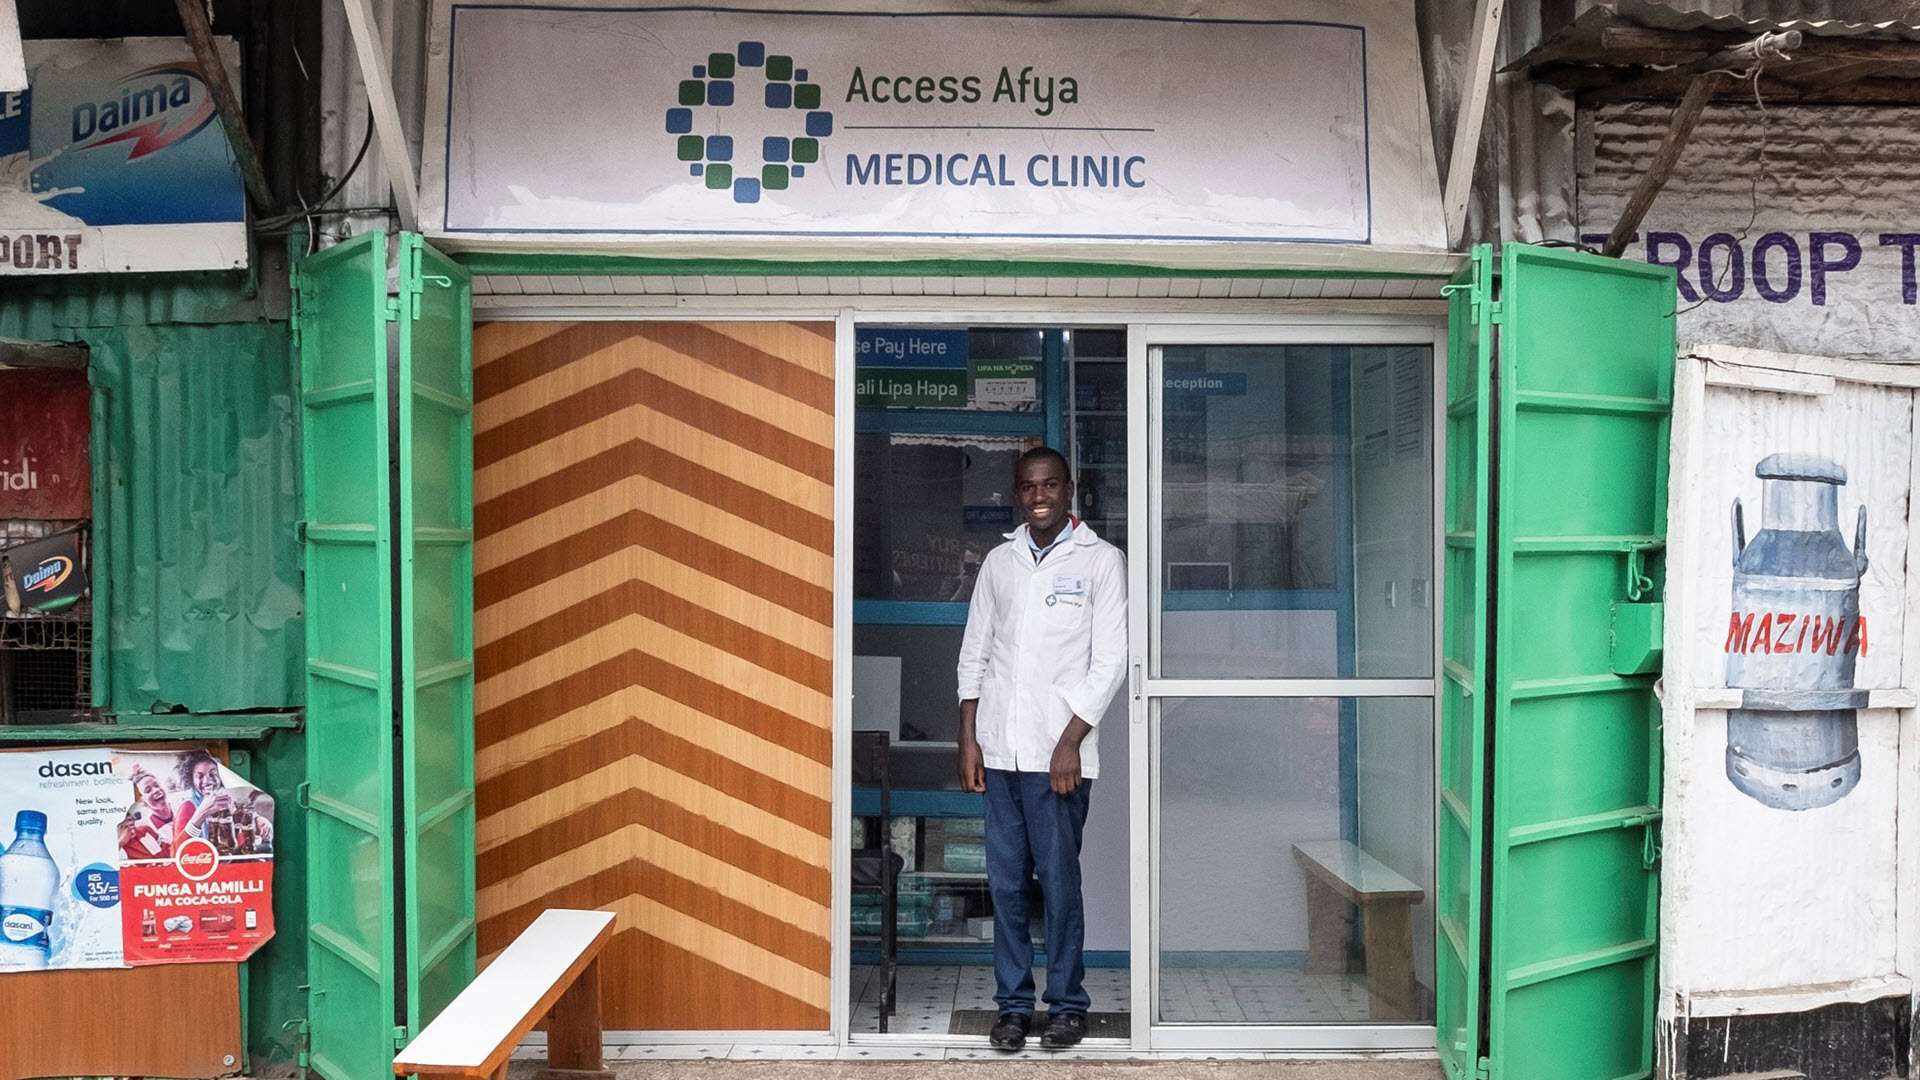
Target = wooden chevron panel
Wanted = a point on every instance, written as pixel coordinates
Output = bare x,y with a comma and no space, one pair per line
653,598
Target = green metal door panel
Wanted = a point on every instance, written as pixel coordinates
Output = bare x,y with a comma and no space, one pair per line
436,628
1584,383
1462,816
340,319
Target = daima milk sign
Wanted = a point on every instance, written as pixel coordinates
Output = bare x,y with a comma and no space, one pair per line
113,159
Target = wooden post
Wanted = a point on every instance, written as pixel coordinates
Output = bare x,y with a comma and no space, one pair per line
1329,919
1712,71
225,105
573,1032
1679,130
1387,931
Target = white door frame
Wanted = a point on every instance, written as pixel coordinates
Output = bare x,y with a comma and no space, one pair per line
1146,691
1159,321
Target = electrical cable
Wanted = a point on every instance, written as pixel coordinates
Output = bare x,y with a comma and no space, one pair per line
1759,173
310,211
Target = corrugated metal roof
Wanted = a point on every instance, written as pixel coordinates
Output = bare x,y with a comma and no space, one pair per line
1735,14
1885,19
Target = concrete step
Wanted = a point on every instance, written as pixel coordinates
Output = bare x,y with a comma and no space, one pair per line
1017,1067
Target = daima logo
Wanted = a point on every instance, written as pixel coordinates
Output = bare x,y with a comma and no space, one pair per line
154,108
48,575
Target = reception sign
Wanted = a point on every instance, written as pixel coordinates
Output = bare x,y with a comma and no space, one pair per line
112,159
655,121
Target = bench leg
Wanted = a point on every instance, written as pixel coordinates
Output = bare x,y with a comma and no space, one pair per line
1388,932
573,1032
1328,919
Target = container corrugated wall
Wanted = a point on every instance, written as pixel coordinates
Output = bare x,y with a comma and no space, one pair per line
198,448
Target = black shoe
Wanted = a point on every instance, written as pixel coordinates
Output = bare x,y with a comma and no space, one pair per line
1064,1030
1010,1030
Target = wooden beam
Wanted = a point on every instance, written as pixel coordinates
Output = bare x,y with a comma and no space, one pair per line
1679,130
372,55
1767,49
1636,39
42,354
1467,124
1597,86
1838,74
225,104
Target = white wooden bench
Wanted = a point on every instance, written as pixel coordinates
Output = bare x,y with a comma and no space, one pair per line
1341,878
551,969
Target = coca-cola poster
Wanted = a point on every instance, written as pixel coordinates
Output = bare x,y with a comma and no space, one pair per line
120,857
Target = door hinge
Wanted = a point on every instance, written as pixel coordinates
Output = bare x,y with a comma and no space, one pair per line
1483,1070
302,1028
300,532
301,792
296,308
1478,305
393,309
400,1037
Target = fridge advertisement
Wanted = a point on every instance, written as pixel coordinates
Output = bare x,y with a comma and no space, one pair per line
118,857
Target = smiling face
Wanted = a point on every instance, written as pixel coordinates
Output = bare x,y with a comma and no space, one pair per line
1044,494
152,792
206,777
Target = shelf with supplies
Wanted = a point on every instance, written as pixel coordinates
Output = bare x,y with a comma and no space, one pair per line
943,902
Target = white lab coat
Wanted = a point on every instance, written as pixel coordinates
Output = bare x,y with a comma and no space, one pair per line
1044,644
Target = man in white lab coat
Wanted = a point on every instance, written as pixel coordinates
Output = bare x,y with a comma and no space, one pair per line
1044,653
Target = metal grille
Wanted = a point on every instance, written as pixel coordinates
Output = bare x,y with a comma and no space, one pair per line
46,668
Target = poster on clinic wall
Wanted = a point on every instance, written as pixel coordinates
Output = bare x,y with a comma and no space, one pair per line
118,857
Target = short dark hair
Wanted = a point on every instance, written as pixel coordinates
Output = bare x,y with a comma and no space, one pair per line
1043,453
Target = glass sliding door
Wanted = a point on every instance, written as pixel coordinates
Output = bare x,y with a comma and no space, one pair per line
1285,605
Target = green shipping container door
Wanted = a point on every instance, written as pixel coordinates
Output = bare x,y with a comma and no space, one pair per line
435,406
1559,393
340,317
386,434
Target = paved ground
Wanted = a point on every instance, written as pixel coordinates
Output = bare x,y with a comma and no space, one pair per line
1017,1069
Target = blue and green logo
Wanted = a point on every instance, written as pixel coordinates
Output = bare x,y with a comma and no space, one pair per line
789,128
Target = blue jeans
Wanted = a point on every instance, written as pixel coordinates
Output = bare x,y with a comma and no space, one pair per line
1033,833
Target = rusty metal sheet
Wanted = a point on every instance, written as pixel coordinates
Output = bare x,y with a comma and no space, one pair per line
44,427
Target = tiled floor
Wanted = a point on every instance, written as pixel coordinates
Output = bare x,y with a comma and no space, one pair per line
928,996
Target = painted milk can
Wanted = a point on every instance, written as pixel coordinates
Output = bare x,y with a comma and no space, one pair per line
1794,636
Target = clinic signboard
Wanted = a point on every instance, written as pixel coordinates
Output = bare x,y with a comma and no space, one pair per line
112,160
717,121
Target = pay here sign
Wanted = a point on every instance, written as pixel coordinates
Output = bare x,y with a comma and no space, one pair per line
659,121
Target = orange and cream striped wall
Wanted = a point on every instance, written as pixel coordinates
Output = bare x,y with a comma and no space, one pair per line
653,583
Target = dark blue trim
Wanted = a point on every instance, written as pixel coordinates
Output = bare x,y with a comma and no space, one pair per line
1012,425
913,953
1251,600
907,803
1366,121
1290,959
1343,587
1053,374
909,613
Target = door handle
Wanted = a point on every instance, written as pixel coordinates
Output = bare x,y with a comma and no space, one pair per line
1136,680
